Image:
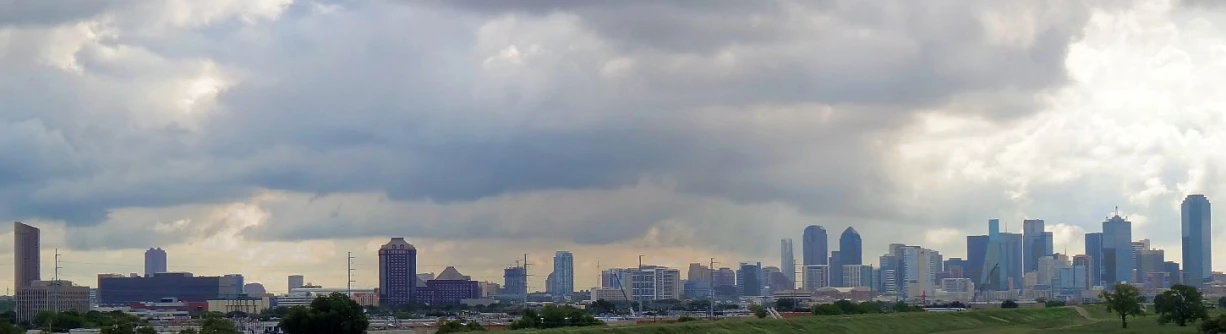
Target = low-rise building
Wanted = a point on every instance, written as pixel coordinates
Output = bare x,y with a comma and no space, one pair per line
244,305
59,296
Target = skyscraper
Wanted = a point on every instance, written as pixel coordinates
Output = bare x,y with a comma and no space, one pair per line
563,274
1197,245
397,272
836,268
1094,249
1036,241
976,251
993,273
155,261
749,279
1117,250
1012,259
814,246
26,252
787,262
851,247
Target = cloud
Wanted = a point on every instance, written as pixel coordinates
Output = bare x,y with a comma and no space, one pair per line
608,126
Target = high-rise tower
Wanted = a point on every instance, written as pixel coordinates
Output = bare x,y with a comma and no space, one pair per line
787,262
814,246
26,252
155,261
1117,250
397,272
1197,244
563,274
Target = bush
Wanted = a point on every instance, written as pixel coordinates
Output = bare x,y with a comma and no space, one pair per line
686,318
1008,304
555,316
1054,303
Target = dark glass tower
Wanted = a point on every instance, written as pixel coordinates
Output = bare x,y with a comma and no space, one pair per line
814,246
1197,246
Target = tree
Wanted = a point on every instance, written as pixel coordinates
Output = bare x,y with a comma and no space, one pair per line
455,326
785,304
1124,300
146,330
9,328
1009,304
1054,303
1181,304
1215,326
331,314
601,306
218,325
758,311
1221,302
189,330
552,316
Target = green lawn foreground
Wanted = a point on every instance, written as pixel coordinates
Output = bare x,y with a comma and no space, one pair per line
989,321
1110,323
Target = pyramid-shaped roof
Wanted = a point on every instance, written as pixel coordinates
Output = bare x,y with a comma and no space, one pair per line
451,274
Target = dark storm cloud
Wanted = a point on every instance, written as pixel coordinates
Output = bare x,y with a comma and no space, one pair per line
396,98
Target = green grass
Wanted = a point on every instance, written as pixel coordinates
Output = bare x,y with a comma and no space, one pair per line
989,321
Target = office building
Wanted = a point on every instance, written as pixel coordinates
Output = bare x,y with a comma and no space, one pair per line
699,273
254,290
814,246
655,283
1117,250
1013,259
155,261
55,296
1087,263
816,276
26,254
295,281
563,274
851,252
1094,250
397,272
119,290
1172,269
858,275
976,252
889,275
724,277
749,279
836,268
917,272
448,288
955,268
786,262
1196,221
1037,243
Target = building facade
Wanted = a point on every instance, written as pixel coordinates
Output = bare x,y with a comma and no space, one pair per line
397,272
1196,221
814,246
655,283
1094,249
1037,243
515,282
816,277
26,254
787,263
449,288
119,290
1117,251
851,252
563,274
748,279
858,275
155,261
57,296
295,281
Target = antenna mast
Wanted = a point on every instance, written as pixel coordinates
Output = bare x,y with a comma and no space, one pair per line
526,280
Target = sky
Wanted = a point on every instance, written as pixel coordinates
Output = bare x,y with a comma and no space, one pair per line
274,137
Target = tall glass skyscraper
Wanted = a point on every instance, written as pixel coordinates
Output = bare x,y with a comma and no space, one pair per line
814,246
976,250
993,274
1037,243
1094,249
1197,246
1117,250
1011,260
787,262
563,274
851,247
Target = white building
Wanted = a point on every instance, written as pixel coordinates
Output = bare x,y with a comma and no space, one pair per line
656,283
858,275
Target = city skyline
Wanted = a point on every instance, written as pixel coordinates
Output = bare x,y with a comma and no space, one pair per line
275,137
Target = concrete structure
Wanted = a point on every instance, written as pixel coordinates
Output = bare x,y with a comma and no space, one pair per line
787,262
304,295
655,283
58,296
858,275
26,255
816,277
119,290
489,289
699,272
814,246
397,272
295,281
155,261
515,282
563,274
1196,221
610,294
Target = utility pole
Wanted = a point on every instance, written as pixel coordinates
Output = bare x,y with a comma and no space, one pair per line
525,281
349,272
711,286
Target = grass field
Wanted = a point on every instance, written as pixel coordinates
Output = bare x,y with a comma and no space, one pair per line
1053,320
900,323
